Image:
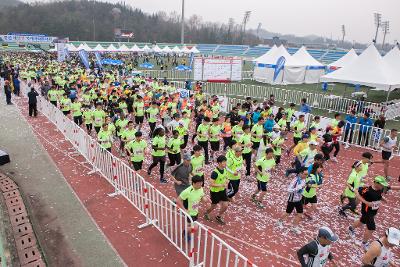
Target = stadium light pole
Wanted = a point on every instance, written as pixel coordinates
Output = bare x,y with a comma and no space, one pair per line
183,23
378,18
343,33
246,19
385,29
94,22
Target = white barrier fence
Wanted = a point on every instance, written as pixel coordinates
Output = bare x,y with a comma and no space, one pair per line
184,75
368,137
316,100
159,211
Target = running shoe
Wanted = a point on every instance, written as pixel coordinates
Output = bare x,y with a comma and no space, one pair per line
260,205
296,230
253,197
220,220
342,213
346,146
287,173
388,178
163,181
334,159
354,212
342,198
279,223
351,232
207,217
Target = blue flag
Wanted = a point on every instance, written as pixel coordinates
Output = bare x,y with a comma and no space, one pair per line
280,64
191,59
98,59
84,58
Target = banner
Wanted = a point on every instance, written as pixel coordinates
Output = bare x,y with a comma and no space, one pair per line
280,64
84,58
61,55
191,59
183,93
98,59
27,38
223,101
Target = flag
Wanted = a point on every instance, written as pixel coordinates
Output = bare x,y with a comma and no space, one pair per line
84,58
98,59
280,64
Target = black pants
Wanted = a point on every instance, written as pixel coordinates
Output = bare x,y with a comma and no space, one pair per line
204,145
137,165
174,159
336,146
152,127
346,134
33,109
97,129
54,103
156,160
247,158
227,142
89,127
78,120
326,150
8,98
185,141
365,136
233,188
297,167
351,205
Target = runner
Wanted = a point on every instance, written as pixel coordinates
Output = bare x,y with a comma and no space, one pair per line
317,252
158,153
257,133
198,161
388,145
137,150
295,201
202,137
352,185
263,168
104,137
218,185
174,149
234,166
379,253
215,136
247,144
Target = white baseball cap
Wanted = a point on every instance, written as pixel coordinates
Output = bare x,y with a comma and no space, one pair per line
393,236
315,143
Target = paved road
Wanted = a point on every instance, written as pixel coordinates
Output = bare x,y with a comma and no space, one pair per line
66,233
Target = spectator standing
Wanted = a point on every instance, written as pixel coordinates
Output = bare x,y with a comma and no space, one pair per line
351,120
7,91
32,101
304,107
365,129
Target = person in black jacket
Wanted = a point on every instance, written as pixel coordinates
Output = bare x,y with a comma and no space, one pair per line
32,102
7,91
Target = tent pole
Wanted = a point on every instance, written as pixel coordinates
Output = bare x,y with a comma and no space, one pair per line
387,96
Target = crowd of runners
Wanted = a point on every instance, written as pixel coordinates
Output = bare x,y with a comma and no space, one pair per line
138,117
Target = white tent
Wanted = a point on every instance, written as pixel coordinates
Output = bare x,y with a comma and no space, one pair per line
176,50
194,50
84,46
266,56
147,49
313,68
292,73
99,48
111,48
156,49
167,50
136,49
369,69
343,61
392,58
71,48
123,48
185,50
54,49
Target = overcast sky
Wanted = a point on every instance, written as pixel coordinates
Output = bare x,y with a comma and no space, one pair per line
300,17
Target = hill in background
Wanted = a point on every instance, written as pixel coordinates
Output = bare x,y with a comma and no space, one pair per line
9,3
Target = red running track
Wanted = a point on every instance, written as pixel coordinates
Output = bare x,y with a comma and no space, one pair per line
249,230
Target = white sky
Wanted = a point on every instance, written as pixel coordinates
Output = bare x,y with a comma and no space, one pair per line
300,17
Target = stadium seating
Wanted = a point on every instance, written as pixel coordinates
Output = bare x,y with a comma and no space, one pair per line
231,50
256,51
207,49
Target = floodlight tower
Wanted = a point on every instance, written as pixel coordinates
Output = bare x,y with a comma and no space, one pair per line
378,21
385,29
183,23
343,33
246,19
258,29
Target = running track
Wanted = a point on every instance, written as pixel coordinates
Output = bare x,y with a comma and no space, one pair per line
250,230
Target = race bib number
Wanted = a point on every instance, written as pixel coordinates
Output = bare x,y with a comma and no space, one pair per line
375,205
98,120
138,152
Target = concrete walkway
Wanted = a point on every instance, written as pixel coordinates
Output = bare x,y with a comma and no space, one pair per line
66,233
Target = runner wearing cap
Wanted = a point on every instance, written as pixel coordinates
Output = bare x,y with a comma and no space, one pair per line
371,198
379,253
317,252
295,190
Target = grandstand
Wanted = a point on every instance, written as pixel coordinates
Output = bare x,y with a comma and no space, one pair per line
249,52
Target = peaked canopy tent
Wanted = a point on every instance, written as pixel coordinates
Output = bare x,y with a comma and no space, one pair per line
194,50
369,69
111,48
71,48
278,67
313,68
167,50
185,50
343,61
124,48
98,48
176,50
85,47
266,55
147,49
136,49
157,49
392,58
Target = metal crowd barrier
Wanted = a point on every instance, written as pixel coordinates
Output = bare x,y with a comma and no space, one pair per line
159,211
316,100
